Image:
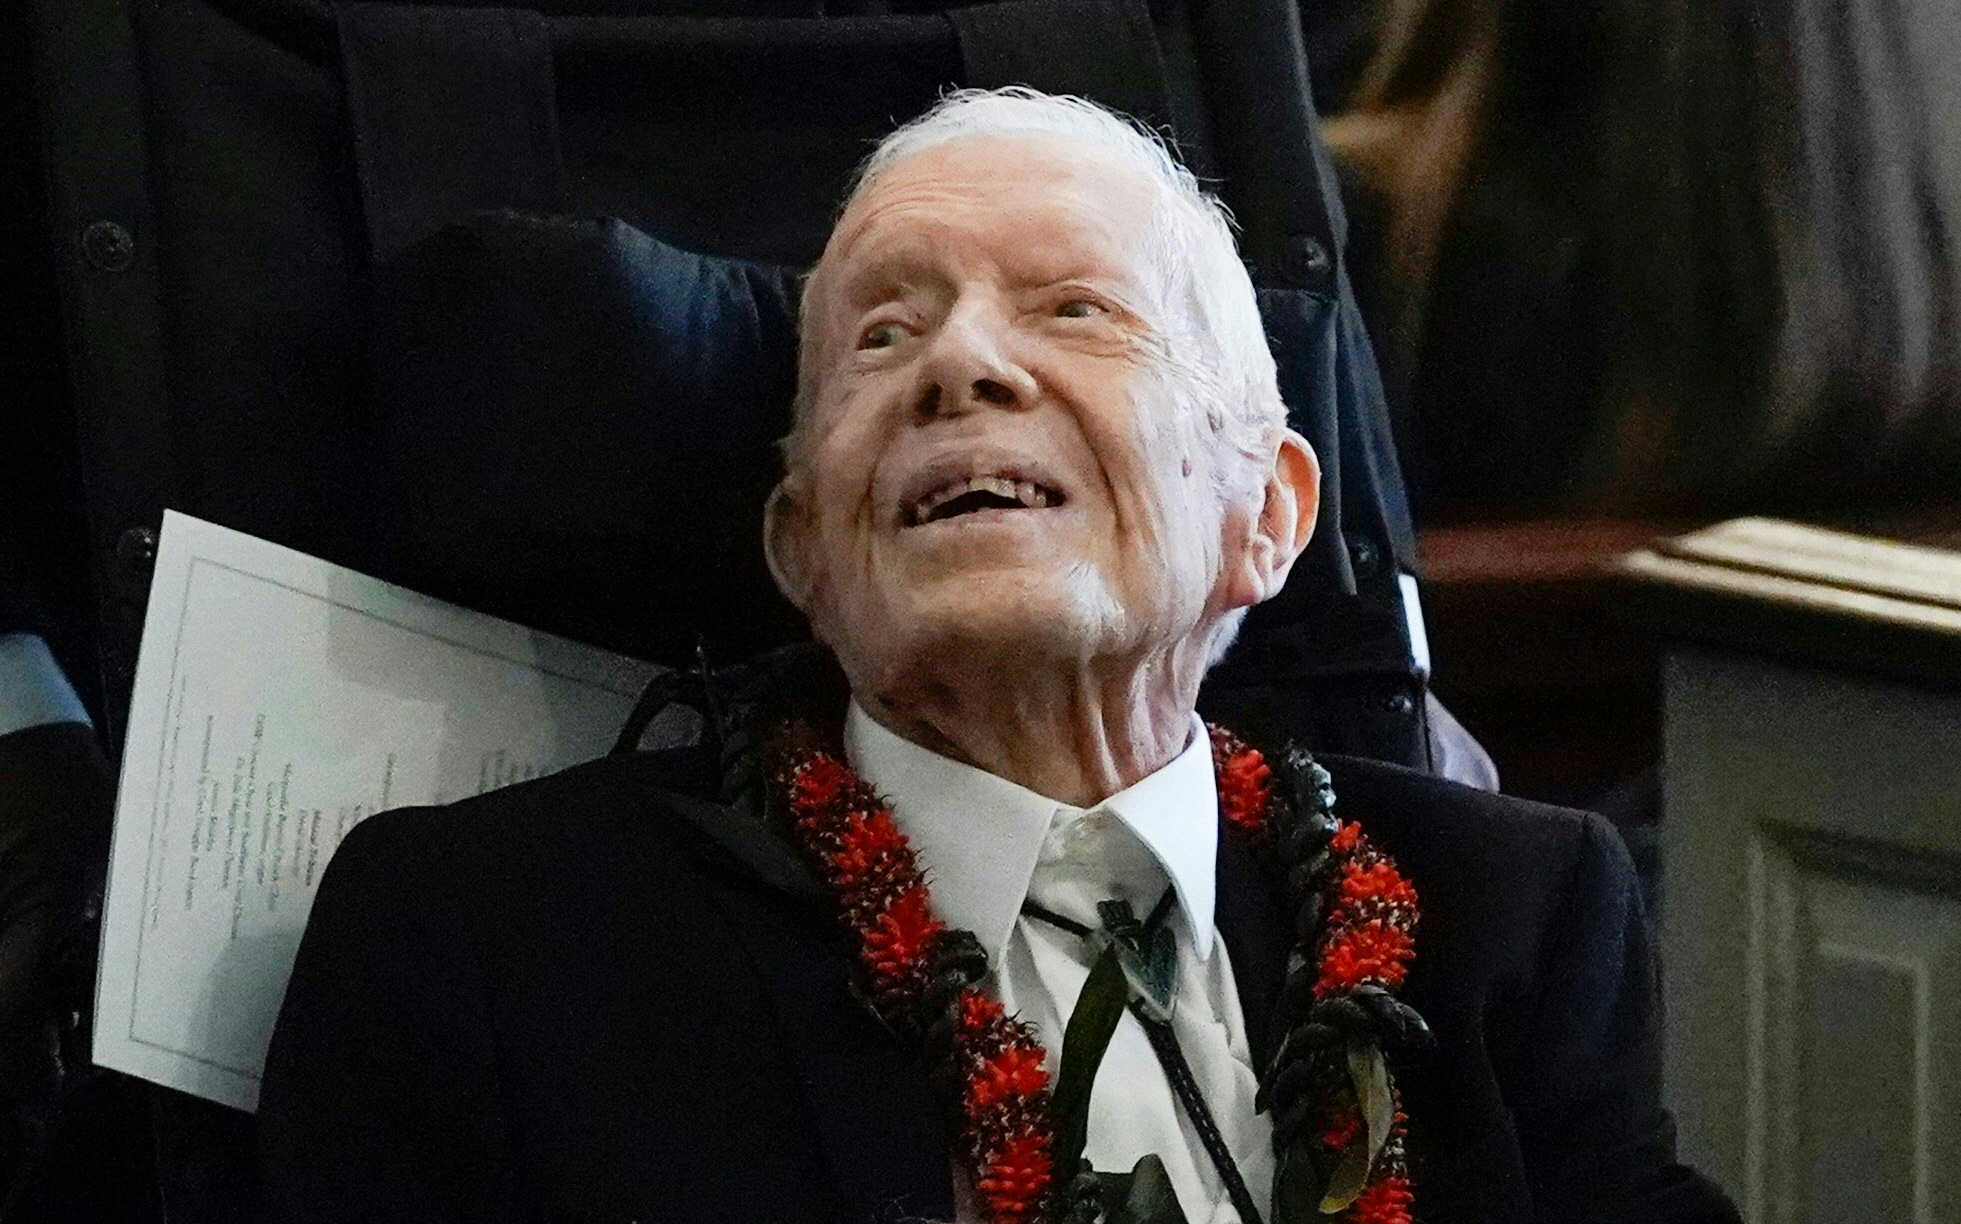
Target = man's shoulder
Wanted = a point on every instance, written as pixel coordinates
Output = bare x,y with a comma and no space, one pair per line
572,804
1481,857
1382,793
548,832
589,829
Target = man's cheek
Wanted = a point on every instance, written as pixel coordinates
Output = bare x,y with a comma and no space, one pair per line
849,552
1161,505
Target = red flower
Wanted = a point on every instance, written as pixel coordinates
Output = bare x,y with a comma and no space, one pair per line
1373,953
1244,788
1385,1201
1342,1131
1380,881
977,1012
1016,1180
1014,1071
896,942
864,842
819,782
1346,838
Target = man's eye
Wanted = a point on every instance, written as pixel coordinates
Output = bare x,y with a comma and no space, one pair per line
1077,308
884,335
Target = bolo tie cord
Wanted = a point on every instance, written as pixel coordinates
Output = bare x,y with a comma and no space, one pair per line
1177,1069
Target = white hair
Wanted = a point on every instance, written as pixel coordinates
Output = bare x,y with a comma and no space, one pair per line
1213,350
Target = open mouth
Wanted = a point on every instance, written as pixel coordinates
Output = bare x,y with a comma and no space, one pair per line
973,494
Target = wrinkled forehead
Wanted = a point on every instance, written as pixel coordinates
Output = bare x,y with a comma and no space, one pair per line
1065,199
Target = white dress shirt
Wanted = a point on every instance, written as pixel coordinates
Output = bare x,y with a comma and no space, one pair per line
986,844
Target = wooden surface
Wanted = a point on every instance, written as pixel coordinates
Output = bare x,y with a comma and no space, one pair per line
1548,654
1534,652
1811,818
1803,592
1811,936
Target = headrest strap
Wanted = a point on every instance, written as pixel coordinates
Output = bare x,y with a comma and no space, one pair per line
1105,50
453,110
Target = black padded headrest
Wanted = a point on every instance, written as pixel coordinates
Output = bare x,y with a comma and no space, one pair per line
575,428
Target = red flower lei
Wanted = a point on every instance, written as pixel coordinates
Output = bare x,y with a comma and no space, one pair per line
1006,1137
1367,938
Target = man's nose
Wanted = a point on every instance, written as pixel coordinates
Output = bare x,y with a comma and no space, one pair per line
969,368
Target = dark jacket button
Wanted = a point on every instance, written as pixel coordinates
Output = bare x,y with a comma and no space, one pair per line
1305,261
136,546
136,558
1364,555
108,246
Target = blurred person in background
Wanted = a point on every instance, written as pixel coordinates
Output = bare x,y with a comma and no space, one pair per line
1676,254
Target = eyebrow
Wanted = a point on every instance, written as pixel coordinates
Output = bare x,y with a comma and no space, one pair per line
880,278
905,264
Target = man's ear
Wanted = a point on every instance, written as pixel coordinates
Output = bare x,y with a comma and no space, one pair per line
1291,502
788,529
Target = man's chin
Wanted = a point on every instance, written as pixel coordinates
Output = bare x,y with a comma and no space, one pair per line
1003,622
1011,604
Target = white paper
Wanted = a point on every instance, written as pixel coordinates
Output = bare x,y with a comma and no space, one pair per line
280,701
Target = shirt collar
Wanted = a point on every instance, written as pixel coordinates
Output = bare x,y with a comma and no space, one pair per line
978,836
1175,813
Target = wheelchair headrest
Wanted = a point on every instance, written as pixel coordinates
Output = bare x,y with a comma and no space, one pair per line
576,427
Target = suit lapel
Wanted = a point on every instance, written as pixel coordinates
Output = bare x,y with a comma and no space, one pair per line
870,1104
1251,914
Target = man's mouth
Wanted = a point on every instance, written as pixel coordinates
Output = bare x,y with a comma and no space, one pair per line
972,494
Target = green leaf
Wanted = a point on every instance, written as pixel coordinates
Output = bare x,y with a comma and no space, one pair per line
1369,1072
1113,1191
1098,1009
1297,1185
1141,1196
1345,1184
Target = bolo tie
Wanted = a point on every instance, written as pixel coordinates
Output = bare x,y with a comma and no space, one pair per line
1146,951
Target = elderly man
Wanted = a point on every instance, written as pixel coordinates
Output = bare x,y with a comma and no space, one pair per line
966,914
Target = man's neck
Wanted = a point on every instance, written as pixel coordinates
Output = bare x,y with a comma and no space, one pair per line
1076,738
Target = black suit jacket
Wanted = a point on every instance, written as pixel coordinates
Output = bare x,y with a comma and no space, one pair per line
596,998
